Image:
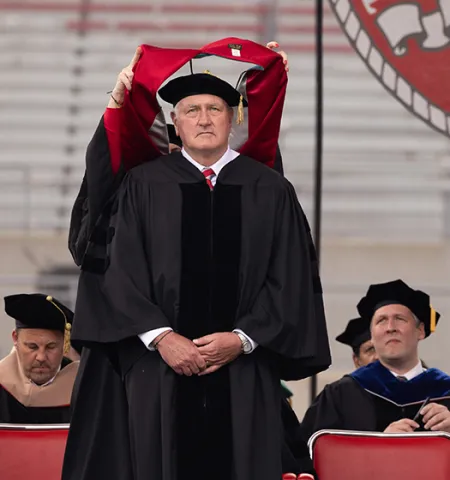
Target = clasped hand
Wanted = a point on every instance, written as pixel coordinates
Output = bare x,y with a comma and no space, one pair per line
435,417
202,356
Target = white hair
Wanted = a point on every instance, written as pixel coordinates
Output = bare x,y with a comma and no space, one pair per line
416,319
176,108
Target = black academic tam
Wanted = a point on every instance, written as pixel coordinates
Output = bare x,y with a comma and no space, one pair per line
200,262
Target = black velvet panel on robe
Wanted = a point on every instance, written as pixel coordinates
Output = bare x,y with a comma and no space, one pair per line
211,232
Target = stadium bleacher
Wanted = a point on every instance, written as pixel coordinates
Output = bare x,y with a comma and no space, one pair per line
59,59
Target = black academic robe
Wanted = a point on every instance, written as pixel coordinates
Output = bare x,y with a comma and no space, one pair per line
98,383
99,184
177,252
371,398
97,444
13,411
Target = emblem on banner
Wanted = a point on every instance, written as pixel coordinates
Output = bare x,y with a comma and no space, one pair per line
406,45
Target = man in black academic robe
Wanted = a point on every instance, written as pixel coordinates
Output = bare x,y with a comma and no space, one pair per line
36,380
357,336
199,262
388,395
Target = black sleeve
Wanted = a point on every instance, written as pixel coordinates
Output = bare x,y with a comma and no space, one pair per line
98,185
322,414
78,229
127,280
288,315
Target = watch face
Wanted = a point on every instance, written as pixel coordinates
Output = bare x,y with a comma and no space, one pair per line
246,346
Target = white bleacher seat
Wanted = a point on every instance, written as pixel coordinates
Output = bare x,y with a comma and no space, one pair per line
36,79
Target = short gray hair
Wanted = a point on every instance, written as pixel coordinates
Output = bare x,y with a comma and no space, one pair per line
177,106
416,319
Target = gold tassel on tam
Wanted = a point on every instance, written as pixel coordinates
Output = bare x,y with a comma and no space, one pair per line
67,326
67,338
240,111
432,320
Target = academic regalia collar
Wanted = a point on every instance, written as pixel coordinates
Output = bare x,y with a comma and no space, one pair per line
377,379
242,170
224,160
56,394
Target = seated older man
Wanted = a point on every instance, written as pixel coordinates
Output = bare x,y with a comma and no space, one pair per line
36,380
388,395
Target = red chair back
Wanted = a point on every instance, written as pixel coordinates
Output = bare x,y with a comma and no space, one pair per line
32,451
339,455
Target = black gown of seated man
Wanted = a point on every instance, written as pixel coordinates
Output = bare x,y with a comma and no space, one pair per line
371,398
99,392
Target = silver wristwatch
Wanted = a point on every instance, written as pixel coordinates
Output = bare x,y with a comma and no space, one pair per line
246,345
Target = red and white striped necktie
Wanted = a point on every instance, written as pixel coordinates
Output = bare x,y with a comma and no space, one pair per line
209,175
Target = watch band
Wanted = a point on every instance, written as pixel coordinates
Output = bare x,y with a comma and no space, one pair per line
246,345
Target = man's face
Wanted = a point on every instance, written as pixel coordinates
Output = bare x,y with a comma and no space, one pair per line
203,122
395,334
40,352
366,355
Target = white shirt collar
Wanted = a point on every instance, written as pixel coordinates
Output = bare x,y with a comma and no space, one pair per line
414,372
226,158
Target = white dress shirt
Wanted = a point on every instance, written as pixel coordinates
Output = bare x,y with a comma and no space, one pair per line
414,372
226,158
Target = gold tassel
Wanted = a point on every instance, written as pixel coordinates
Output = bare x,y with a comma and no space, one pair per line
240,111
432,320
67,326
67,330
209,73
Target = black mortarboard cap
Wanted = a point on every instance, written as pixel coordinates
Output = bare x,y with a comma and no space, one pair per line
38,311
197,84
355,334
173,137
398,292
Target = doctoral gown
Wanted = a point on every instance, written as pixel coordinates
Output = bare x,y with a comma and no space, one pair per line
21,401
97,430
179,255
371,398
